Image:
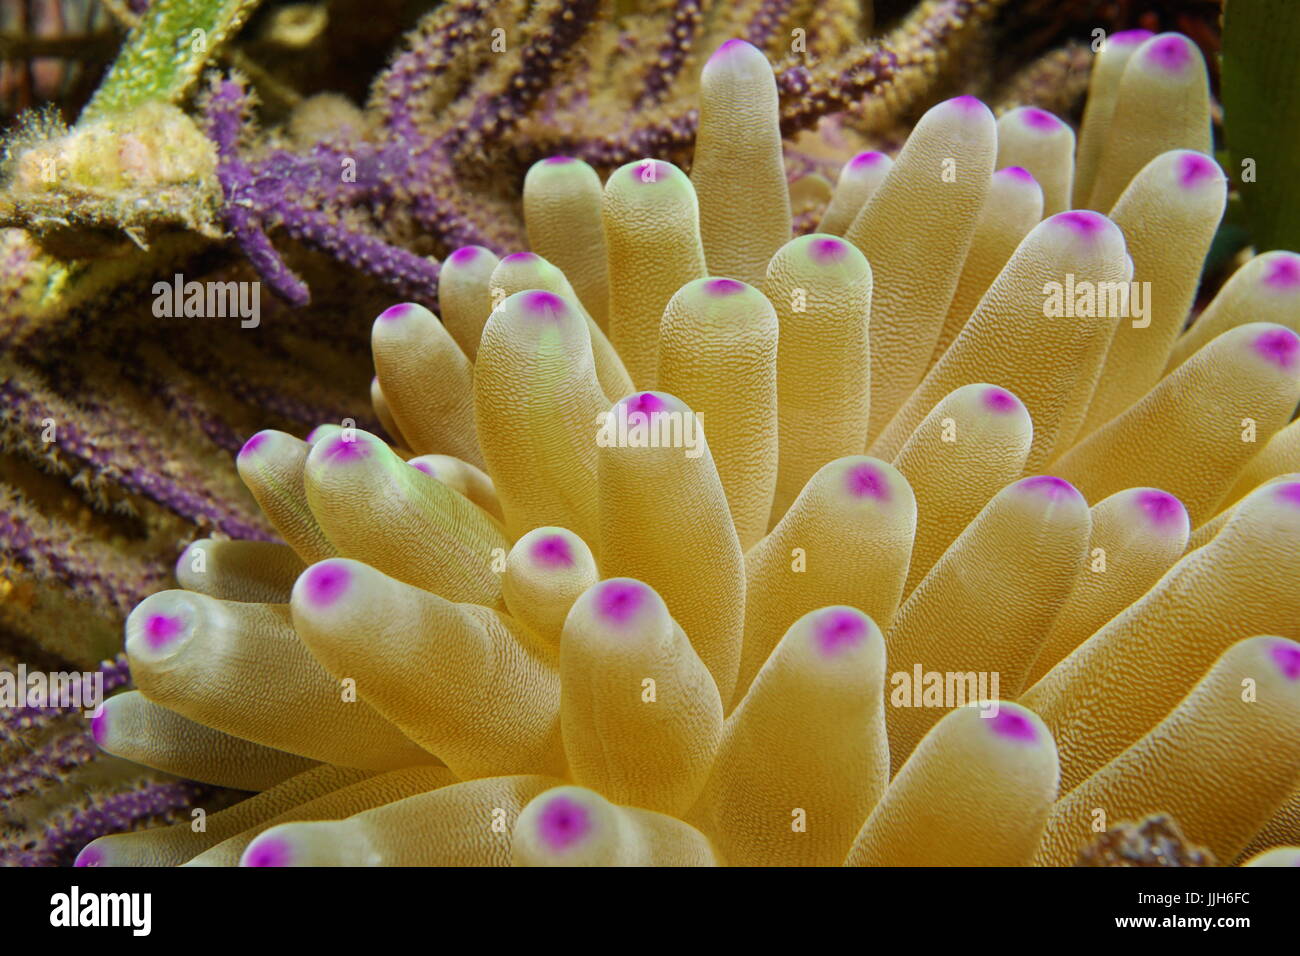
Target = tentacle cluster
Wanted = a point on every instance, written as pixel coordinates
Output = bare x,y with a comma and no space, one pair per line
701,557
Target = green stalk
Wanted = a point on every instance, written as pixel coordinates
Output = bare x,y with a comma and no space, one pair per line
165,53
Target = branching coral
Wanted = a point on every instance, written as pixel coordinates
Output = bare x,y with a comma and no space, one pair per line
595,605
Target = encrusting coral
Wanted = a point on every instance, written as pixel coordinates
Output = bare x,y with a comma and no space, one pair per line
593,604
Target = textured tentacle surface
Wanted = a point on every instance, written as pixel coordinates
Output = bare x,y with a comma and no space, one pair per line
465,296
859,179
1209,414
718,354
640,713
1021,555
1162,103
1137,535
1279,456
260,572
652,226
463,477
522,271
1180,193
196,655
572,826
1103,90
175,845
804,757
376,508
546,571
1053,368
976,792
271,464
562,201
1043,144
536,400
333,803
1265,289
460,680
1221,762
820,287
459,824
1282,828
921,219
427,382
133,727
738,172
971,446
664,520
1013,206
1124,679
845,540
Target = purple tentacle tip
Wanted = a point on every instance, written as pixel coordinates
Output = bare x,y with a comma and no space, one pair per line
1290,492
968,106
828,250
732,47
867,481
867,160
647,403
1050,485
90,856
1172,52
325,583
1196,168
1287,656
521,257
544,305
1162,508
723,287
395,312
839,629
1000,400
619,601
557,160
1014,726
553,551
1279,346
649,170
425,467
1284,272
251,446
563,822
1018,173
161,629
345,449
1040,120
269,852
464,255
1130,37
99,727
1084,222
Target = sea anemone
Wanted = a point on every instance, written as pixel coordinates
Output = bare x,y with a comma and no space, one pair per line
646,570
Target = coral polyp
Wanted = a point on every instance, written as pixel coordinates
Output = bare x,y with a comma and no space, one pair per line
917,540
